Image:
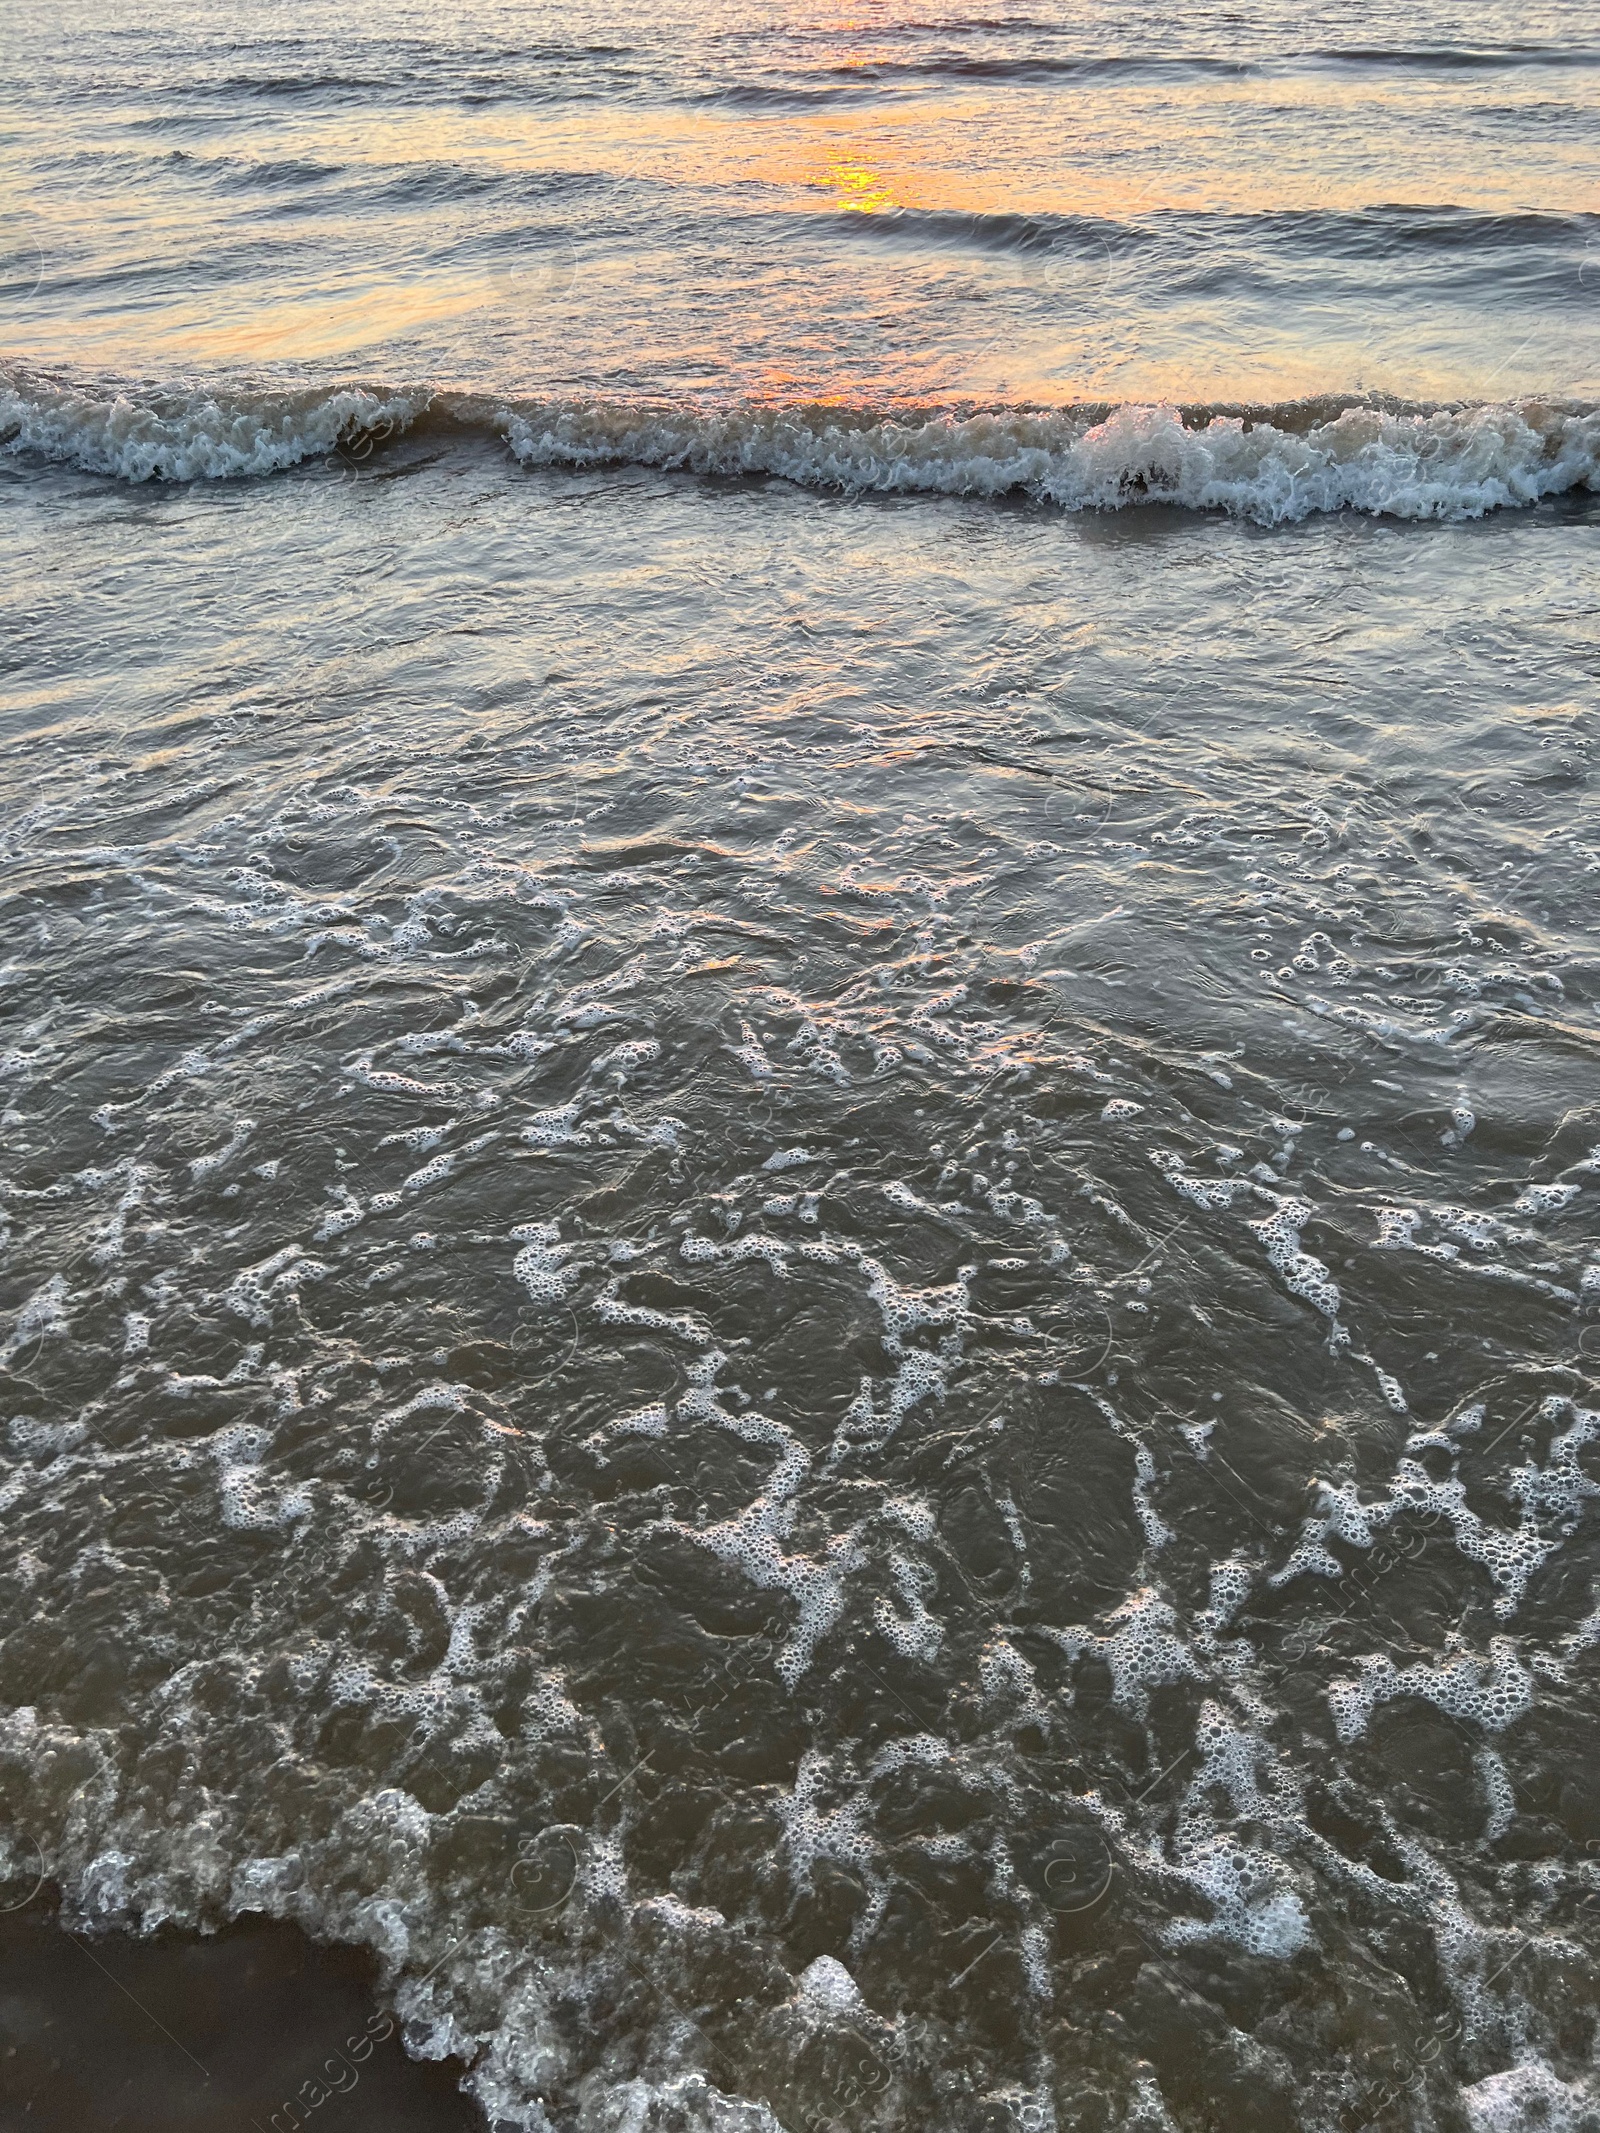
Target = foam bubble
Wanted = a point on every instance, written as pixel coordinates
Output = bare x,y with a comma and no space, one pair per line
42,1317
1141,1648
789,1158
1491,1692
1530,2098
826,1987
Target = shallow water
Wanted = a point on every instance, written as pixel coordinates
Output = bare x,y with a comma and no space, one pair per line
799,1273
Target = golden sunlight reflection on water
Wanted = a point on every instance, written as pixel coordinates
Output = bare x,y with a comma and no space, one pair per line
1041,227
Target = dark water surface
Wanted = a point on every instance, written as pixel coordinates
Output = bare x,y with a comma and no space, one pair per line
798,1277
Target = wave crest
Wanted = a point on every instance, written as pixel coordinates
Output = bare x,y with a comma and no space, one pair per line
182,436
1274,465
1443,463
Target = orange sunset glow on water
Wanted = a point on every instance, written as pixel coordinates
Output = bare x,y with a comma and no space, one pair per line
1132,182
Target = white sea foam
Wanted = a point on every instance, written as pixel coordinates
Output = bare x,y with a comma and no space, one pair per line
1525,2096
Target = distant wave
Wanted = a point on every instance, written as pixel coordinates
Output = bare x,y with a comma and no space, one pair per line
293,84
1274,464
1036,66
1442,57
1526,241
248,172
850,87
1356,233
368,180
412,82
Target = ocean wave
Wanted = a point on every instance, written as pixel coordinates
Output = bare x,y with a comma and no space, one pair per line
374,183
192,436
1443,463
1469,58
309,84
1019,65
1274,465
854,84
247,173
1049,67
1358,233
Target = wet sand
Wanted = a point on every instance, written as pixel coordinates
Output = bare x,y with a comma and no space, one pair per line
255,2027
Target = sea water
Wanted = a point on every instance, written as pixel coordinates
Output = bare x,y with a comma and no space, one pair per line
798,1013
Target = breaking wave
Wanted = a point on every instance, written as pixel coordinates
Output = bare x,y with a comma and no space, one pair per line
1446,463
1274,465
